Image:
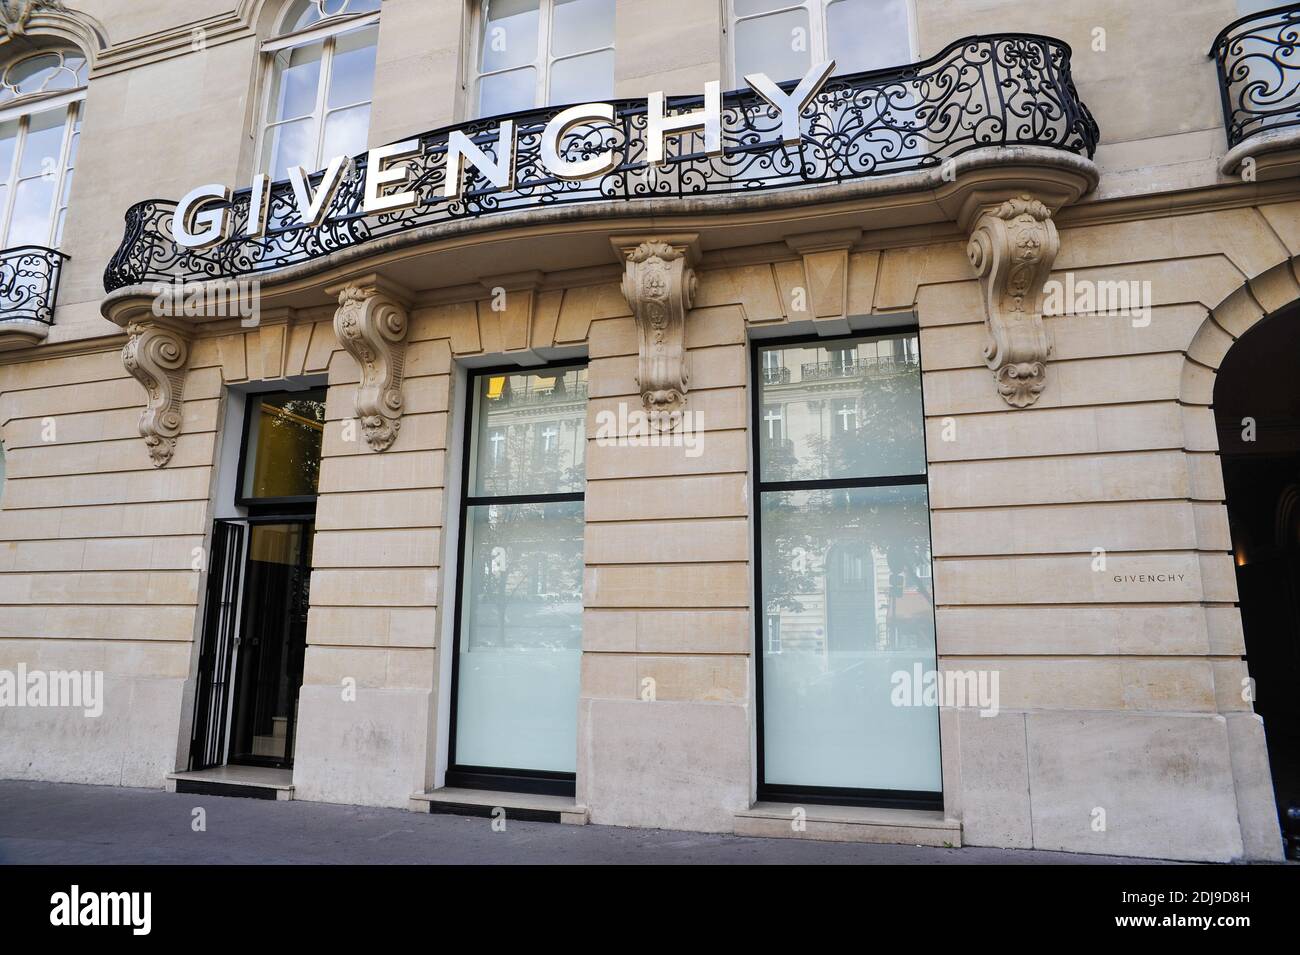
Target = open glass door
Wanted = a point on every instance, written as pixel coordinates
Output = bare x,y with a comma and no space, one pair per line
255,628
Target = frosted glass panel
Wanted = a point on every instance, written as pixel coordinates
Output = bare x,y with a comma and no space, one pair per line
521,637
868,34
847,603
776,45
582,79
580,25
507,92
531,433
509,34
841,410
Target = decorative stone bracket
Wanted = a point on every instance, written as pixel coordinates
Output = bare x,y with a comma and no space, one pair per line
659,286
1012,247
157,355
371,325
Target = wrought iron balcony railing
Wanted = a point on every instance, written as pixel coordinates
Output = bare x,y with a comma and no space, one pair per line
1258,59
822,370
987,91
29,282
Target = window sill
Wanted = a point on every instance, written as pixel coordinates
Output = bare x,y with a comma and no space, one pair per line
915,827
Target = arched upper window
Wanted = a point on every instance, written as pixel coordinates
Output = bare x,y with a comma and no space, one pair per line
42,96
320,76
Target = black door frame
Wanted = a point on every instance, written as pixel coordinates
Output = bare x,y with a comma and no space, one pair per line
501,779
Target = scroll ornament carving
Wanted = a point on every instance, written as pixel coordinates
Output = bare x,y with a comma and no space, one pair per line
372,328
660,287
15,14
157,356
1012,248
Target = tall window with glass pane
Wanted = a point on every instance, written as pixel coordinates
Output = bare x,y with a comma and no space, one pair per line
41,100
783,38
519,635
544,52
320,81
846,598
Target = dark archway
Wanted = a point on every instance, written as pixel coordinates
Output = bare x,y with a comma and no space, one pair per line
1257,414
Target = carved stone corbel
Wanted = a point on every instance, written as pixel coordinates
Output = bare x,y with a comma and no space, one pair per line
157,355
1012,247
659,286
371,326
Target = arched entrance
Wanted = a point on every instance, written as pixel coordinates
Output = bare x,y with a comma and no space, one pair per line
1257,415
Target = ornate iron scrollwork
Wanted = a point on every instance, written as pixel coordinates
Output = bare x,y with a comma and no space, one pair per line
1004,90
1258,59
29,282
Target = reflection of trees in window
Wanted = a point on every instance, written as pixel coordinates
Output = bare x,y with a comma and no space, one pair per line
287,449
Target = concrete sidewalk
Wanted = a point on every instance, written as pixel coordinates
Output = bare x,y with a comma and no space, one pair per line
56,823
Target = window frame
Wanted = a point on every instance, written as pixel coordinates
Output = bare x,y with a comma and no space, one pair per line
283,506
817,48
500,779
22,109
327,30
821,795
543,61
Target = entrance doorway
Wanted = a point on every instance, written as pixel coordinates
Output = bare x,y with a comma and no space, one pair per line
1257,414
255,627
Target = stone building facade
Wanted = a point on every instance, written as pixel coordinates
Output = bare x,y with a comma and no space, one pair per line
699,618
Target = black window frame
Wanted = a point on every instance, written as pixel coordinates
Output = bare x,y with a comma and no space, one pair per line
822,795
287,505
496,778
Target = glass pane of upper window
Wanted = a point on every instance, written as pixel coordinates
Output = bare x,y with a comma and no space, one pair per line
352,74
777,44
296,81
847,586
868,34
43,149
33,212
531,435
582,79
8,142
291,144
581,25
510,32
306,13
507,92
282,447
345,132
43,72
745,8
848,410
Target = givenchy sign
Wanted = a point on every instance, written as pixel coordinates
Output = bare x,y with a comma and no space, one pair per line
202,217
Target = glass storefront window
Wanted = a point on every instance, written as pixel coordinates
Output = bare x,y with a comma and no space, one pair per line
519,639
283,445
844,563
